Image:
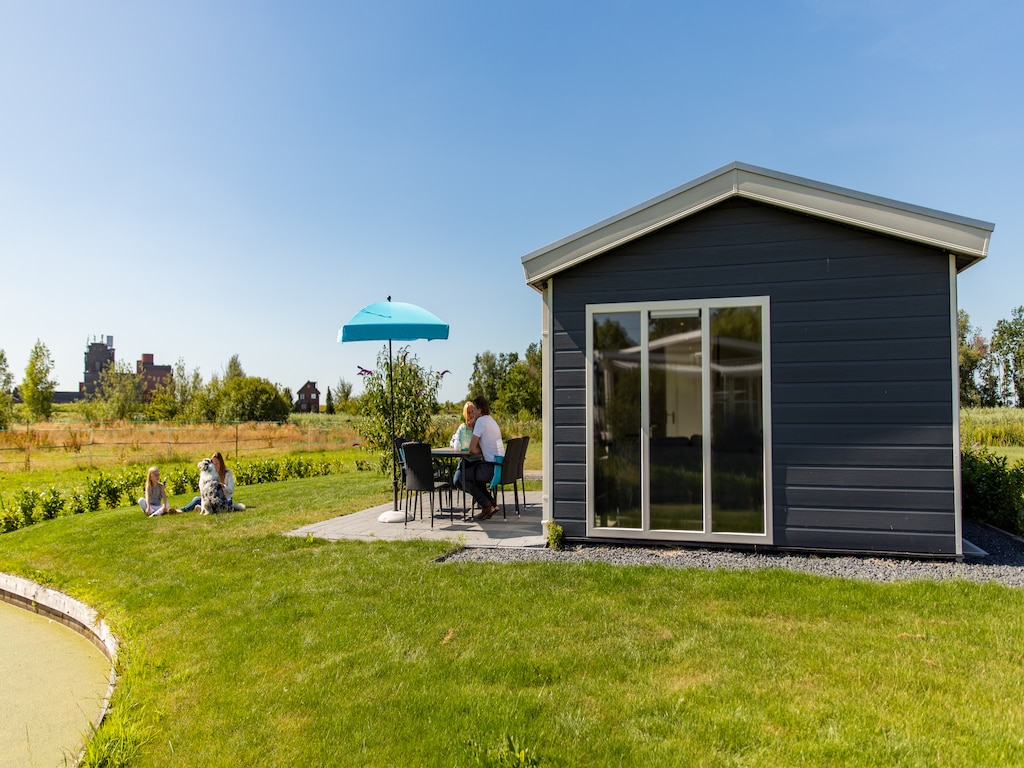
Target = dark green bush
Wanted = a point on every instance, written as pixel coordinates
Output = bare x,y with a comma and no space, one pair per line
992,490
93,492
182,480
51,504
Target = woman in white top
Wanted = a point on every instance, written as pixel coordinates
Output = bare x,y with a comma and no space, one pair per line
486,443
227,479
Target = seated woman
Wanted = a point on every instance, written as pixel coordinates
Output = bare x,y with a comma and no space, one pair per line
464,434
227,479
486,443
154,497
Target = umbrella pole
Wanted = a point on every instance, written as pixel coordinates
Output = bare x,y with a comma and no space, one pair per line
394,452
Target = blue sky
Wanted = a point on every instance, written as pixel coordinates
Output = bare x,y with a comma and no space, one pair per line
204,179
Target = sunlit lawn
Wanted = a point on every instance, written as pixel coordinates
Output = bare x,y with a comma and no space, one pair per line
246,647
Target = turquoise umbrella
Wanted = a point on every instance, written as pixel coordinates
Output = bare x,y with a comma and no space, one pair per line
393,321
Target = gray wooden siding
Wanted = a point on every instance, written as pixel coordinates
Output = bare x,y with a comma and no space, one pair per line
860,341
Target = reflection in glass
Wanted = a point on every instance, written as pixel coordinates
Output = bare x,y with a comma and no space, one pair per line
676,461
616,407
737,439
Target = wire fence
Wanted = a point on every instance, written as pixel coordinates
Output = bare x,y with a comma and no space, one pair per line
58,446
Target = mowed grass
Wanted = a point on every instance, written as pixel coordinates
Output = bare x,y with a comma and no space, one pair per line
246,647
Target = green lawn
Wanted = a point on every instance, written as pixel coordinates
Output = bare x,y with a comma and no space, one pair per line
245,647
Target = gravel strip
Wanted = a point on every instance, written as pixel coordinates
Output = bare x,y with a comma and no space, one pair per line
1003,565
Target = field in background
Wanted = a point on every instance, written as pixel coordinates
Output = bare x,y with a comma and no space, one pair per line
58,446
61,453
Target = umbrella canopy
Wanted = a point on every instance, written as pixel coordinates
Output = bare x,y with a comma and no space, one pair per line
393,321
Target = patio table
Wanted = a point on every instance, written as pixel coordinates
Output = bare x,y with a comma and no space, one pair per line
447,459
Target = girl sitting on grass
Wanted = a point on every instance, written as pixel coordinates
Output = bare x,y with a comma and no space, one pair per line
154,499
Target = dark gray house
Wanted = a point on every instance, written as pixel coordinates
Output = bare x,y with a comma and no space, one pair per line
757,359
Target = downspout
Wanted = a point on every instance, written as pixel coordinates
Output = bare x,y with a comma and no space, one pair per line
547,405
958,528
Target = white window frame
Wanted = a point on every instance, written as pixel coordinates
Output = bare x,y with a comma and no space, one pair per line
704,305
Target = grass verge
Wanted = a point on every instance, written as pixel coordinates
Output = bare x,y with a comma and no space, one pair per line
245,647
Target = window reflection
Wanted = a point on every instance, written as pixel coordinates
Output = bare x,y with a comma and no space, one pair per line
676,461
737,440
616,409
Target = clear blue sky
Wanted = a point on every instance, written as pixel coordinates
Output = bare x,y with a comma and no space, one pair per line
203,179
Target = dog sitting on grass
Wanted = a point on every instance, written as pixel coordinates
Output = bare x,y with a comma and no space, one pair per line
211,492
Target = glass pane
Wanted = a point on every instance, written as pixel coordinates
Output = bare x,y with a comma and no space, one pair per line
737,438
676,474
617,420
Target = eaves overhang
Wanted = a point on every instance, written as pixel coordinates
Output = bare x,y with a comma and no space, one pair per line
966,239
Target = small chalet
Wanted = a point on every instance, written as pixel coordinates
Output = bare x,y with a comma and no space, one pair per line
308,398
757,359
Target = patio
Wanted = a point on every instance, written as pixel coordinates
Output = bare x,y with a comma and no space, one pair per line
525,530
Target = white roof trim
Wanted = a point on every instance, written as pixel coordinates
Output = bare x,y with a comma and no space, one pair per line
966,238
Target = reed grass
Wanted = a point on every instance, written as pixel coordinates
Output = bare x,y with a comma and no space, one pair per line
992,427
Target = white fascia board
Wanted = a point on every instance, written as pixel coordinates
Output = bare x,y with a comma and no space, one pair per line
955,234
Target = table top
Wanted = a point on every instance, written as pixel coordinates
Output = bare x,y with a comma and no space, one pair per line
448,451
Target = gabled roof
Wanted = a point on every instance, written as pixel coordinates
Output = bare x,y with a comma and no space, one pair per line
966,238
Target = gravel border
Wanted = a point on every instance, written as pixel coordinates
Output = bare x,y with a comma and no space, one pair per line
1004,563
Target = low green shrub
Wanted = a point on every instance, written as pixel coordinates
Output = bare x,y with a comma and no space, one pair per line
992,490
25,502
51,504
181,479
556,536
92,493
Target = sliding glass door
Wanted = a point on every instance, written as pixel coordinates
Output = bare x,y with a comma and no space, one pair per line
677,419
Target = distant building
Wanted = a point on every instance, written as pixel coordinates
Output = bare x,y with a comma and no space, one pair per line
309,398
153,376
98,355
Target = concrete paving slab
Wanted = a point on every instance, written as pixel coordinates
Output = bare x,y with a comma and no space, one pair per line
524,530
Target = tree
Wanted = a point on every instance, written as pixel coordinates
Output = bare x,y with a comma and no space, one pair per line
521,390
329,407
6,392
121,392
415,399
970,355
248,398
489,371
233,370
343,390
37,386
1008,349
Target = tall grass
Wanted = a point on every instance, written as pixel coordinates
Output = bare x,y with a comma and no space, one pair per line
992,427
246,647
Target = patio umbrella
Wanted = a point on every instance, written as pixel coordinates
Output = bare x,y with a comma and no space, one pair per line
393,321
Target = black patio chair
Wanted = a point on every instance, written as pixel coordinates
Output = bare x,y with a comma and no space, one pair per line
419,478
511,471
522,466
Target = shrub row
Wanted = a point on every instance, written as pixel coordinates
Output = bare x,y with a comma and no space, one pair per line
993,491
29,506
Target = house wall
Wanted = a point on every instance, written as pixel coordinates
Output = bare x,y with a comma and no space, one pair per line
862,401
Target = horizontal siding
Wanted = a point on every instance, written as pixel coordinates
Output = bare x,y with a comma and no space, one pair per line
861,392
868,519
839,540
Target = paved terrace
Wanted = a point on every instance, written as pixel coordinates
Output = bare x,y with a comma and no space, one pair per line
524,530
